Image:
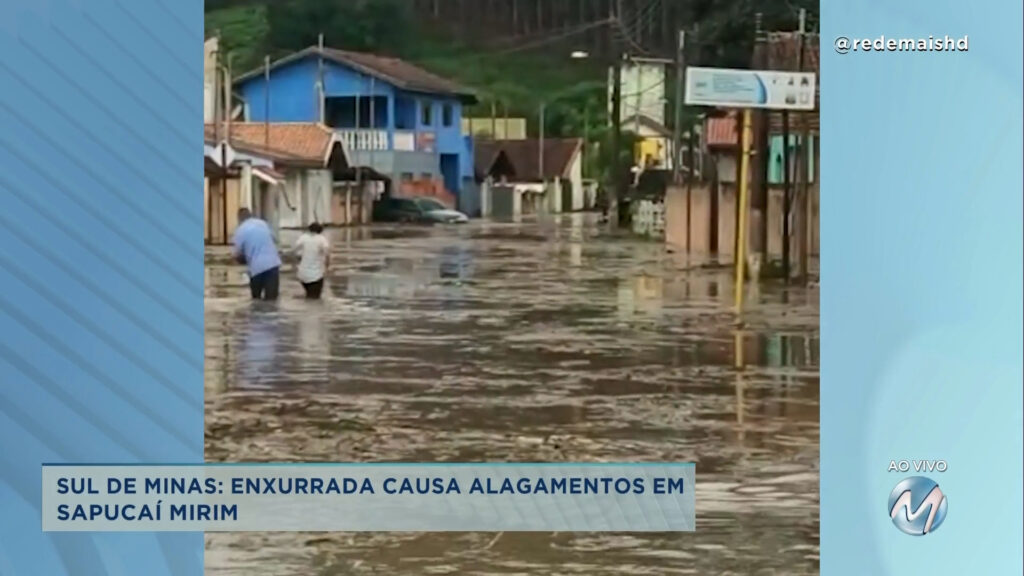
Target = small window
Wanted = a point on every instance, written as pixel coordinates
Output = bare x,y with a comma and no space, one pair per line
426,116
426,176
446,115
407,176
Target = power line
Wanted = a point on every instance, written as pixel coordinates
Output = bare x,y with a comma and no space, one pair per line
636,22
640,16
545,41
504,40
629,39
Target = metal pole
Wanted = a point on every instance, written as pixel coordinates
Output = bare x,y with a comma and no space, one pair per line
504,127
266,101
227,99
586,138
677,123
742,209
494,120
540,145
357,132
373,146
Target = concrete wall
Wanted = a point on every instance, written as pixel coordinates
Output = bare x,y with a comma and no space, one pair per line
701,228
351,205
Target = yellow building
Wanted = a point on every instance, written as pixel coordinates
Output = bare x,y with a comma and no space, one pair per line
654,142
495,128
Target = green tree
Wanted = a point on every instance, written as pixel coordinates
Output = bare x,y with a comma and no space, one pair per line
383,26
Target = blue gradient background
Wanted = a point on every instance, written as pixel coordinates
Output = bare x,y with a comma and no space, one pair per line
101,325
101,264
921,275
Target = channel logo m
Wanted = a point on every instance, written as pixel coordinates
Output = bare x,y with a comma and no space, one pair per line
917,506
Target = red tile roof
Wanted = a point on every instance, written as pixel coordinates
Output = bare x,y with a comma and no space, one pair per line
394,71
285,143
524,156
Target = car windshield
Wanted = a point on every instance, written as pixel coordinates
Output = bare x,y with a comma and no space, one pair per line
430,204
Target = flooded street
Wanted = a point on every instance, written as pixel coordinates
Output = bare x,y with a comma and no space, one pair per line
531,342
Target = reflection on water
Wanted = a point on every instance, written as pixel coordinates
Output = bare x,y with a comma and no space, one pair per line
505,343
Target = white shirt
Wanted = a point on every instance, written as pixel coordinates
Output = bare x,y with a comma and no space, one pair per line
312,249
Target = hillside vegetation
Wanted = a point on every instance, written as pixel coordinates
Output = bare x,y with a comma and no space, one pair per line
514,53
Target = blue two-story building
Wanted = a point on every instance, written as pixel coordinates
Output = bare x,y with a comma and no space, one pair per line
391,116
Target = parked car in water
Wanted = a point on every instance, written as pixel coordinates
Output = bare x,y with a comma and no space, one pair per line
420,210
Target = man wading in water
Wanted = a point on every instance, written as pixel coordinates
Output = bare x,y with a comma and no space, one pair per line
254,247
314,257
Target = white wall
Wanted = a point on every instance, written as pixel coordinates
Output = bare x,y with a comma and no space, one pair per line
643,90
319,187
289,201
306,198
576,178
485,198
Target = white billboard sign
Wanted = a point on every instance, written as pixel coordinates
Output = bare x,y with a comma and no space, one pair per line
732,88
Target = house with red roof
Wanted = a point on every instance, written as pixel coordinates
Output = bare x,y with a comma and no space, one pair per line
547,175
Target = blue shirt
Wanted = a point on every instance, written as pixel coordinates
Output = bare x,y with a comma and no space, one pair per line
255,241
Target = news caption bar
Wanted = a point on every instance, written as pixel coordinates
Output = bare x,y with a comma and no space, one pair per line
369,498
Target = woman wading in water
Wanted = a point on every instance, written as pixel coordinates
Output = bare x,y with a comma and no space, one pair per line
314,257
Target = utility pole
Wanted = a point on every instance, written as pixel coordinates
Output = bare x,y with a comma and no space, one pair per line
742,211
586,138
762,127
320,94
787,197
690,162
616,115
804,208
226,116
678,120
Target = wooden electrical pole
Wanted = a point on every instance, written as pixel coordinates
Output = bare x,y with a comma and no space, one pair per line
616,119
762,127
803,149
678,109
787,197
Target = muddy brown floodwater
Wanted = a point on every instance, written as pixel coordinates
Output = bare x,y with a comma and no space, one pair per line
549,341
